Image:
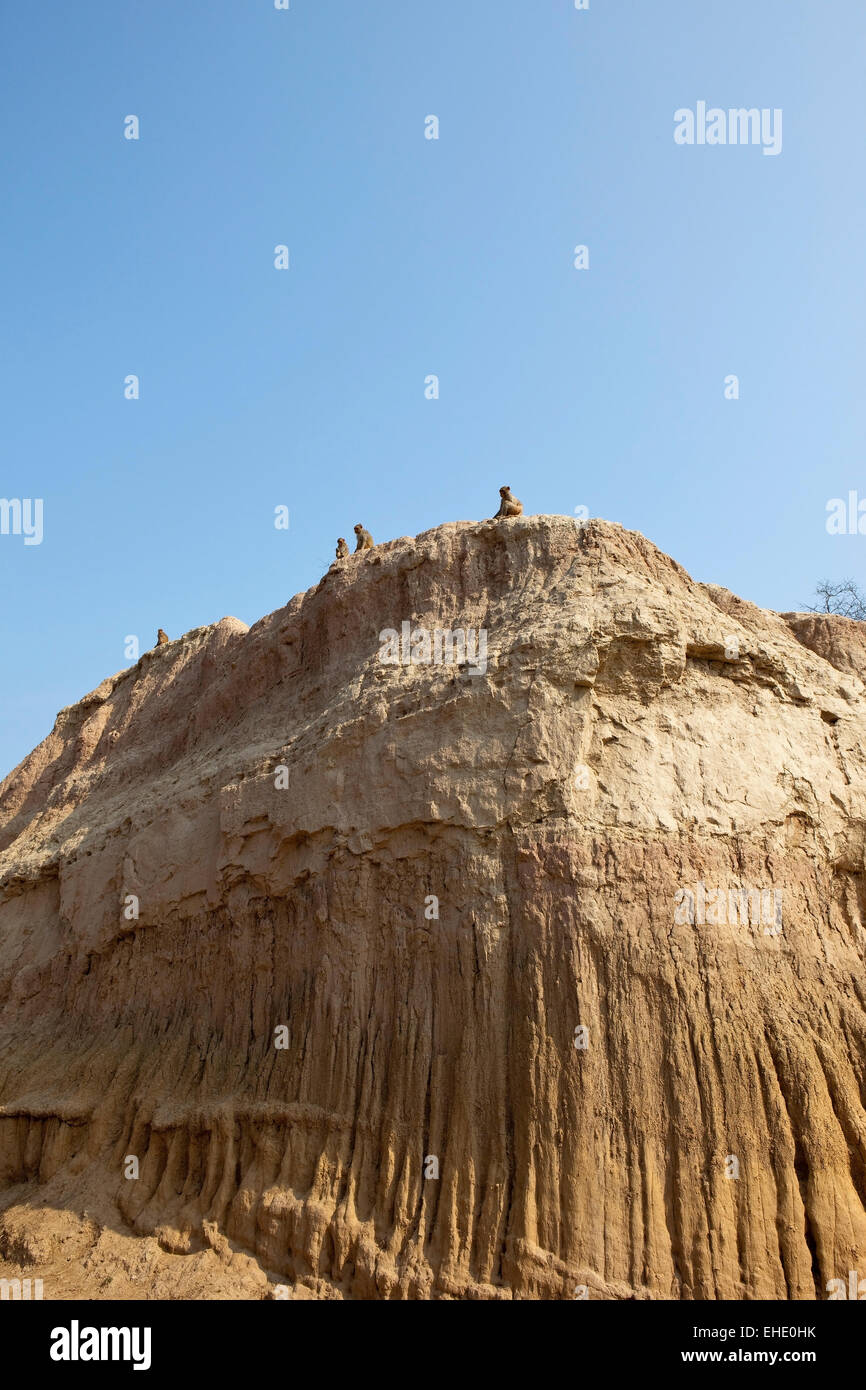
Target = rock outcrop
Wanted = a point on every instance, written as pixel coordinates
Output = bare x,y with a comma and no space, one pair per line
497,979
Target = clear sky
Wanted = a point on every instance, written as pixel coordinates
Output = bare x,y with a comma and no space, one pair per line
602,387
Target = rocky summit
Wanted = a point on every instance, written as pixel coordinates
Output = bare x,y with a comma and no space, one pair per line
486,923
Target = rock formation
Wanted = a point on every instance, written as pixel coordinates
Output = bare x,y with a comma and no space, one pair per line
627,1056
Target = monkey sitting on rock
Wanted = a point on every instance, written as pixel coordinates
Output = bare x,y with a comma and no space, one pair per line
162,638
342,548
509,506
365,540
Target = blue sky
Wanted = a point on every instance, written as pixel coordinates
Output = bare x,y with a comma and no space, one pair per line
601,388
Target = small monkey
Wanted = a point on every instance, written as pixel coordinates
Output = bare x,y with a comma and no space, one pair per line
509,506
162,638
365,540
342,548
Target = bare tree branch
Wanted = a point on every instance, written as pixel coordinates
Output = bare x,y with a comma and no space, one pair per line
843,597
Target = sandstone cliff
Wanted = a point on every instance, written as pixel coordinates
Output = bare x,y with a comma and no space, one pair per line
626,1080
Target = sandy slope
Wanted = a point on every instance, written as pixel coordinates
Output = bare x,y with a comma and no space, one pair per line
635,735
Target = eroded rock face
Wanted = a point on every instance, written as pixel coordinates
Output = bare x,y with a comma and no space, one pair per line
842,641
614,1096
